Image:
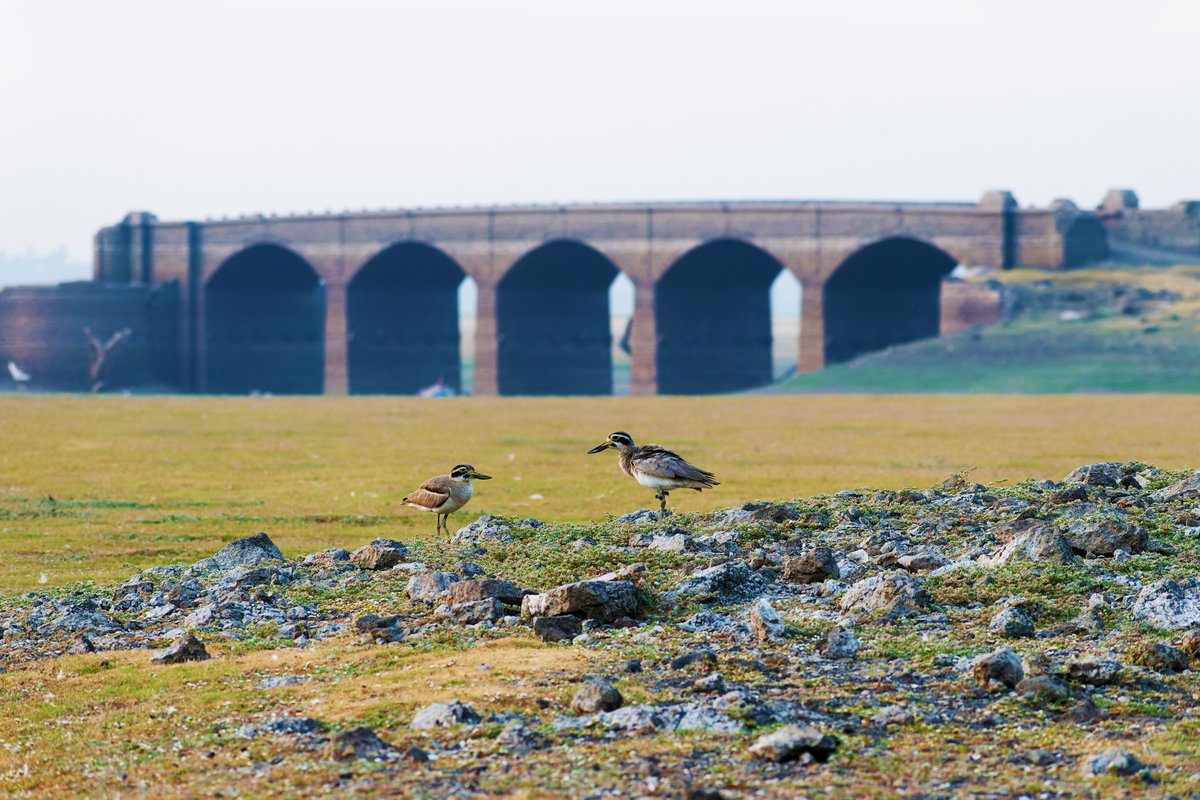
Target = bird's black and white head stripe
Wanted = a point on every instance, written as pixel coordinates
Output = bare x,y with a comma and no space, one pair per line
462,471
621,438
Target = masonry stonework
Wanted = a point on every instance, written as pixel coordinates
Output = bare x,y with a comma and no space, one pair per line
871,274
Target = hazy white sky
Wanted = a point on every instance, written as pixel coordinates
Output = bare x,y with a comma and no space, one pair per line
195,109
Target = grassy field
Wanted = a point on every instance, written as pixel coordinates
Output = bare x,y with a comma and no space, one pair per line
1105,343
98,487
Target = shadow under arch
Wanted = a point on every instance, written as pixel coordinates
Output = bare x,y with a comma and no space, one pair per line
712,311
265,324
553,322
886,293
402,321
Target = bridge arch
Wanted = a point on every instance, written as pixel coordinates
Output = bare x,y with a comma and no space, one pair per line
553,322
265,324
886,293
402,321
712,314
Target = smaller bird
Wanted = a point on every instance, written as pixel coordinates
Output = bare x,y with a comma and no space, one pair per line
445,494
656,467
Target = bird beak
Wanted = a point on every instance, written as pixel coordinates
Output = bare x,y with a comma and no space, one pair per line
600,448
479,477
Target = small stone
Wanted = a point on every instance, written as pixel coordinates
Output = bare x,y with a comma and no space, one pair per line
713,683
765,622
429,586
1112,762
380,554
519,738
560,628
484,589
695,657
293,726
381,629
327,558
360,743
1103,474
1105,535
1012,623
596,696
187,648
1002,666
487,529
893,594
1043,687
1190,643
838,643
1094,671
790,741
247,552
443,715
597,599
1158,657
82,643
489,610
671,543
1172,603
812,566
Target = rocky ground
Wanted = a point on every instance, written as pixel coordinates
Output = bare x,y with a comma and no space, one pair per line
1038,640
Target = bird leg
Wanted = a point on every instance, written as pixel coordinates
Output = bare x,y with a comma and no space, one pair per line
662,504
439,523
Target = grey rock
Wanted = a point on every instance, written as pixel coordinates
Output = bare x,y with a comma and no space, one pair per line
1002,666
1172,603
470,613
251,551
383,629
563,627
714,683
1105,534
276,681
327,557
293,726
637,517
812,566
892,594
82,618
1042,687
1094,671
671,543
732,582
922,560
791,741
487,529
596,696
1159,657
765,622
1036,542
1185,489
361,744
429,586
485,588
1112,762
1012,623
596,599
838,643
444,715
381,553
520,739
186,648
1103,474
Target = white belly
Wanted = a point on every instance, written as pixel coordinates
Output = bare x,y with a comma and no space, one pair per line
656,482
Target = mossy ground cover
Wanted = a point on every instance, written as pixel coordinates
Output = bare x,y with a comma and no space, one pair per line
94,488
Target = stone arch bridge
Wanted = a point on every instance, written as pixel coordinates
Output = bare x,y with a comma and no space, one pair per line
367,302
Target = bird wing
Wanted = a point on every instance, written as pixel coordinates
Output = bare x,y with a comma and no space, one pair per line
655,460
432,494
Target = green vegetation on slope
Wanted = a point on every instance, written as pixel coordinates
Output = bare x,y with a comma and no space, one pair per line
1097,330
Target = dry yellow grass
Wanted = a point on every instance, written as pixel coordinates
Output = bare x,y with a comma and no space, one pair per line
140,480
